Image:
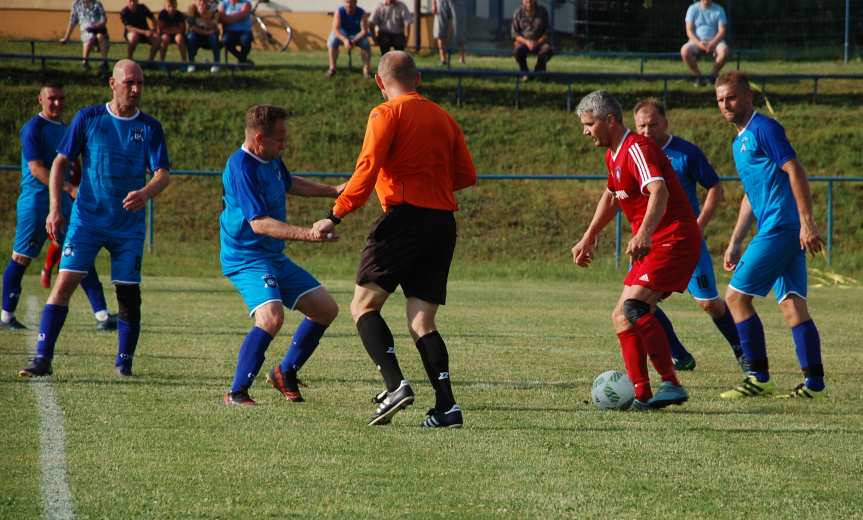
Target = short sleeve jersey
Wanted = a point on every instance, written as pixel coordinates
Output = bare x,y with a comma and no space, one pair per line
39,139
638,162
692,168
760,150
136,17
706,21
116,154
254,188
244,25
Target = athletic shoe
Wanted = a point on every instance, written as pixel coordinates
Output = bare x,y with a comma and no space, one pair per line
37,367
639,406
750,387
45,279
108,324
239,398
286,383
124,370
378,399
12,324
400,398
804,392
668,394
452,418
684,364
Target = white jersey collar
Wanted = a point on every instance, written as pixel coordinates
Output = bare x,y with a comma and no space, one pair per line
115,116
243,147
670,137
619,145
43,116
747,123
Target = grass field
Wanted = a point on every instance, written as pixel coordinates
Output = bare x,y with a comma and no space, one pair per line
522,354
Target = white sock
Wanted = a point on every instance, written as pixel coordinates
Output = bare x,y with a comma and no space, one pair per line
101,315
6,316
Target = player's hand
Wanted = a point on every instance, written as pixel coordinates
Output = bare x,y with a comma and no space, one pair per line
135,200
638,246
71,189
732,257
810,238
325,230
582,252
314,234
55,225
340,188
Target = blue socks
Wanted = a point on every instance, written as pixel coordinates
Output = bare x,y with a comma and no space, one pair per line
754,347
127,341
53,317
251,358
678,351
304,343
726,326
93,287
808,346
12,285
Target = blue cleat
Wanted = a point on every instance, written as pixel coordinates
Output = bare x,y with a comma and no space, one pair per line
668,394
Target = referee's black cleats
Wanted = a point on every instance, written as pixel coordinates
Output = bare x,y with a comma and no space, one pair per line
36,367
398,399
451,418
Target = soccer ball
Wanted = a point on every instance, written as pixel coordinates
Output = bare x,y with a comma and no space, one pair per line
612,390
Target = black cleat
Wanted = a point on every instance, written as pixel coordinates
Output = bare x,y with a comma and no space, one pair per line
36,367
124,370
398,399
108,324
12,324
239,398
378,399
452,418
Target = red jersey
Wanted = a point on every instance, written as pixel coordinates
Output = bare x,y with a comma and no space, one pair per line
637,162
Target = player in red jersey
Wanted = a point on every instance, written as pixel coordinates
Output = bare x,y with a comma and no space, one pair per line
664,247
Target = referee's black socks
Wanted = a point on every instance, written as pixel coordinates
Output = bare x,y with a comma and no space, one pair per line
436,362
379,343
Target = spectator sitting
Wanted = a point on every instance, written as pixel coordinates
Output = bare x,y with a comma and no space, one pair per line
450,17
392,25
172,28
705,28
530,35
351,29
137,30
203,33
90,15
236,19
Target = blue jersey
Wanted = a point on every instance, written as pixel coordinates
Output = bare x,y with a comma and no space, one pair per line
117,152
242,25
39,139
254,188
760,150
691,167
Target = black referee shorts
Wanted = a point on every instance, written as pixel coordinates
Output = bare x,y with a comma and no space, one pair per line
411,247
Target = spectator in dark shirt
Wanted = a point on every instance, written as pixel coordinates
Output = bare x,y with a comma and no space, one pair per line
137,30
530,35
172,29
203,22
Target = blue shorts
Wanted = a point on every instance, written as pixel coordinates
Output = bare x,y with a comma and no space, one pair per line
82,245
773,259
30,234
702,286
272,280
334,42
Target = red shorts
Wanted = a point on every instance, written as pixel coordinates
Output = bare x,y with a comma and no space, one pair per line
669,265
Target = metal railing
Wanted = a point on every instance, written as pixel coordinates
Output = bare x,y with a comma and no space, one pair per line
618,221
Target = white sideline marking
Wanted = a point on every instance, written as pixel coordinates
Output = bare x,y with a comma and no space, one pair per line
56,497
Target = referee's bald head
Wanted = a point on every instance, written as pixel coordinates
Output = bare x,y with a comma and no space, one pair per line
398,67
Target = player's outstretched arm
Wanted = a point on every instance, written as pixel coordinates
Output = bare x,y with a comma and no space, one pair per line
712,200
303,187
810,238
582,252
136,200
283,231
745,218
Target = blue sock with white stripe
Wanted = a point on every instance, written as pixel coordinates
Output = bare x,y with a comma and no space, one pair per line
93,287
53,317
754,347
12,285
251,358
304,343
678,351
807,343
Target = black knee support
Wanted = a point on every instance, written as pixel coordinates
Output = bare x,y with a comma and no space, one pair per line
634,309
129,302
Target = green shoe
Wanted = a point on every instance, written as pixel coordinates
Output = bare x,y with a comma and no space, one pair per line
750,387
804,392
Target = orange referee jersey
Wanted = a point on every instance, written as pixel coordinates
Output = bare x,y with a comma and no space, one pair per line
413,153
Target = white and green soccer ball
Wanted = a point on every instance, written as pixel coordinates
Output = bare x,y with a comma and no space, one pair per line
612,390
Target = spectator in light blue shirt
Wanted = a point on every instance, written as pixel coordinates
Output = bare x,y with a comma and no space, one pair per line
705,27
236,19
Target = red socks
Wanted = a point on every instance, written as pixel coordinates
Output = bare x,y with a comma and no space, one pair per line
635,361
655,342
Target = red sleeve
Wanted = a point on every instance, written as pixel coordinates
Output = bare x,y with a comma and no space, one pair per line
642,161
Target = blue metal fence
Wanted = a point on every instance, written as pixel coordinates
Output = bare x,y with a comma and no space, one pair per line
618,221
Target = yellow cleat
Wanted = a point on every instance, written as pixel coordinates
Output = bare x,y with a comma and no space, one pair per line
804,392
750,387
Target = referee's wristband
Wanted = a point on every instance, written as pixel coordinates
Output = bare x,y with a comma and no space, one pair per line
332,216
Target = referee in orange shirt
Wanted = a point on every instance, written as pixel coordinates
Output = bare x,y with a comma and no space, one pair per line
414,155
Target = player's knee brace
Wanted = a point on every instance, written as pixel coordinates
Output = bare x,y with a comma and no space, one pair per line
129,302
634,309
